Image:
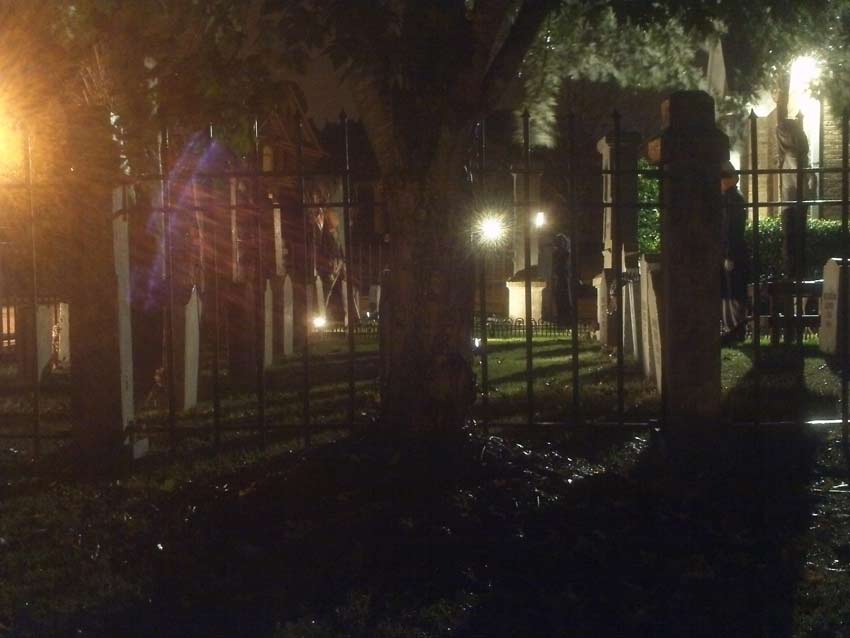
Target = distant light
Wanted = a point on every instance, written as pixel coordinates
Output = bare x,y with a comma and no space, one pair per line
319,322
763,104
805,71
540,219
476,343
492,229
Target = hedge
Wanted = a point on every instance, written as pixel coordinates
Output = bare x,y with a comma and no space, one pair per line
823,239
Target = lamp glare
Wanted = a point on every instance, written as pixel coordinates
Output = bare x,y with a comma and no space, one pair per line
540,219
492,229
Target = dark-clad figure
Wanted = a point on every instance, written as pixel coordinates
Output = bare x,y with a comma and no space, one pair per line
736,266
562,281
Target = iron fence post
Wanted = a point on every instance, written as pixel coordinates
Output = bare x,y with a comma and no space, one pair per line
169,281
260,293
800,262
617,260
299,159
756,271
485,371
216,387
574,278
36,373
349,289
526,207
844,311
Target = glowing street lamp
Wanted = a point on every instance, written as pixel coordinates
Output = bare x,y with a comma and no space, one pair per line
491,230
319,322
540,219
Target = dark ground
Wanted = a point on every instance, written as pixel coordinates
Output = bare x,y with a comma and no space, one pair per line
587,535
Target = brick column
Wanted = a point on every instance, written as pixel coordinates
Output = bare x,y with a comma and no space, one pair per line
690,151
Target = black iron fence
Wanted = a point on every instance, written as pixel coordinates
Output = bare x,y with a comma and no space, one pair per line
285,393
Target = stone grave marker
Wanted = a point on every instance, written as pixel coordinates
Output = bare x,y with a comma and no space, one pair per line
830,307
268,326
288,318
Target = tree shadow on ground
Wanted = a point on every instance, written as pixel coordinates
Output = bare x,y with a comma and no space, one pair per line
492,538
784,392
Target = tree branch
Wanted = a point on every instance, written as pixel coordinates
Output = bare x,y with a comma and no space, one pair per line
509,57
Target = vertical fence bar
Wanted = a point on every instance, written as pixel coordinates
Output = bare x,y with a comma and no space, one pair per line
36,373
167,213
756,268
260,292
305,353
526,207
617,261
482,286
664,420
844,310
349,289
216,304
800,263
574,278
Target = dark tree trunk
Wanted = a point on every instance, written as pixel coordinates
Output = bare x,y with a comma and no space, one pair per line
427,383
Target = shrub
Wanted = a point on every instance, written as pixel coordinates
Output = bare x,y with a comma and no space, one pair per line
823,239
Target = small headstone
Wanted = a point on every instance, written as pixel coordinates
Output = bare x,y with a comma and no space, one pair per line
63,353
319,309
268,326
374,297
830,307
516,299
279,245
655,302
288,316
648,265
190,359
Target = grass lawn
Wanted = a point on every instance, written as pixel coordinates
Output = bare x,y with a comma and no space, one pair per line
788,388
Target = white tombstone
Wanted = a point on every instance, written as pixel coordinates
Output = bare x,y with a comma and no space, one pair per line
375,296
191,351
121,248
516,299
279,245
288,318
654,303
319,308
831,302
632,332
63,354
268,326
44,321
647,358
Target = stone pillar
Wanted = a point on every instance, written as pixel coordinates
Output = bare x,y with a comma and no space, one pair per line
690,151
627,213
521,219
516,299
101,347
